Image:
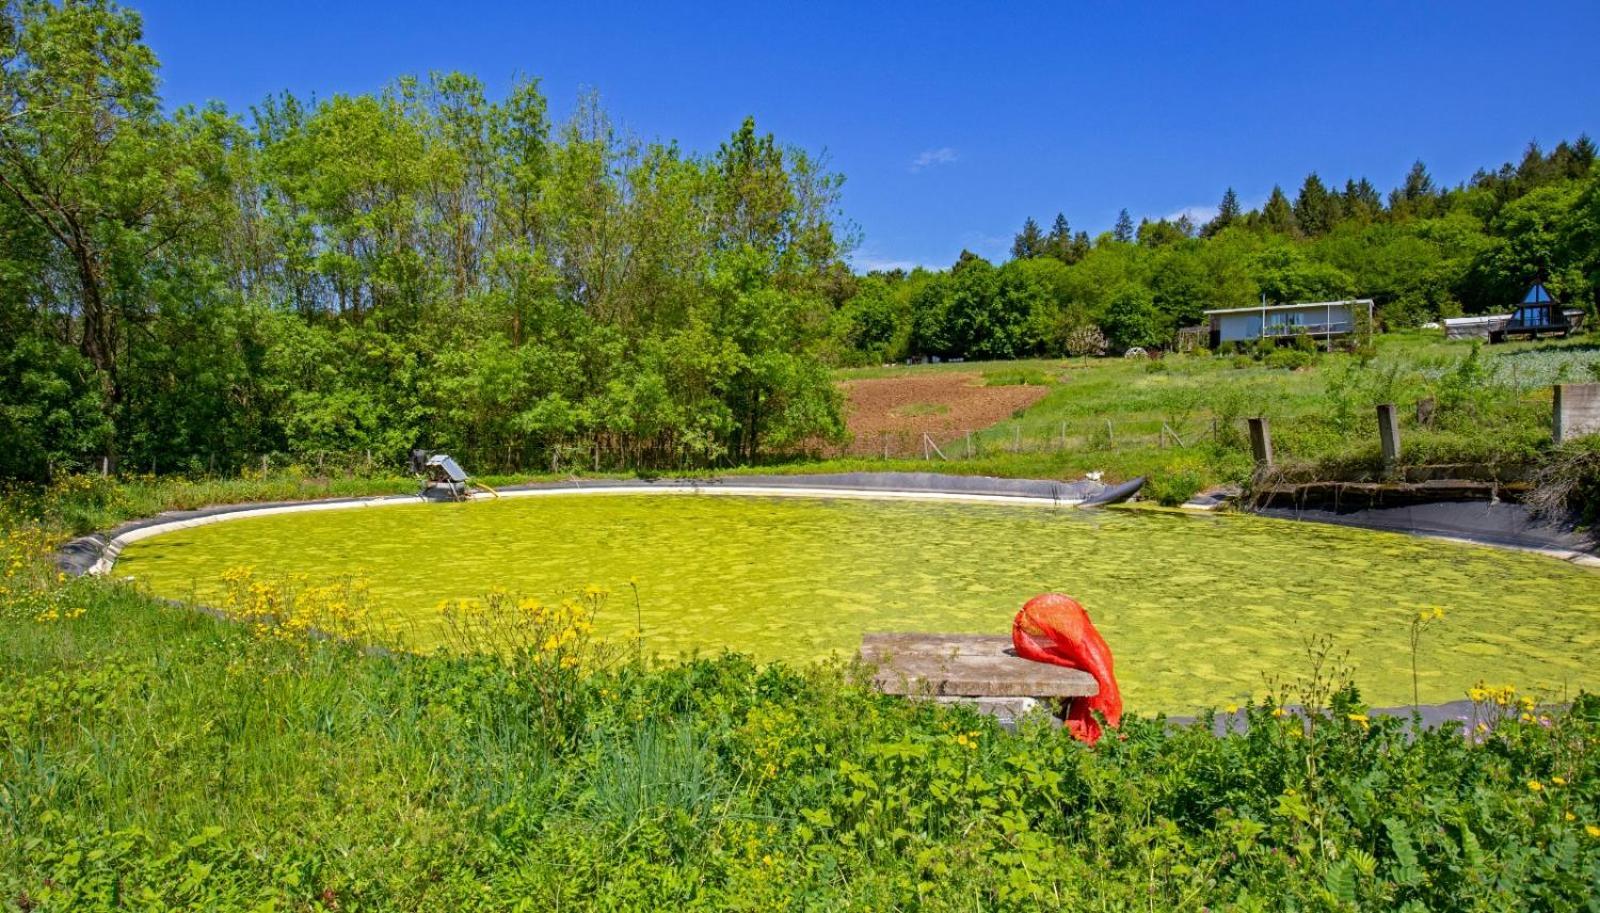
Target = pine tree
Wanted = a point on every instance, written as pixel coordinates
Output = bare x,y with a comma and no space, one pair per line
1315,208
1361,201
1227,214
1029,242
1278,215
1417,197
1058,243
1583,154
1123,231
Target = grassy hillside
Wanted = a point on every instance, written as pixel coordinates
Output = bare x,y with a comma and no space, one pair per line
1182,418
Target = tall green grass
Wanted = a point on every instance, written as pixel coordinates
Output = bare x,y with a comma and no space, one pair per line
156,758
1183,417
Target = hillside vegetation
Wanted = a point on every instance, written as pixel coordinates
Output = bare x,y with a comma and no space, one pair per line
1423,253
1181,419
335,282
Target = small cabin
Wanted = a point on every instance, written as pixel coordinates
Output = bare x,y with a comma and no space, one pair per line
1318,319
1537,314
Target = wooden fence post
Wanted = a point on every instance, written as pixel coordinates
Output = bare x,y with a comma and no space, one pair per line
1261,441
1389,435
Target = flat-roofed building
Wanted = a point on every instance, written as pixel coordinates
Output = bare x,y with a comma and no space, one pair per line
1317,319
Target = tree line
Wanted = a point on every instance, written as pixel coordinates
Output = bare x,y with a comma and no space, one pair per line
1422,252
352,277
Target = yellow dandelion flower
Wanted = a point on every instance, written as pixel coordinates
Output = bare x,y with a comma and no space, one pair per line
1592,831
1558,781
1535,786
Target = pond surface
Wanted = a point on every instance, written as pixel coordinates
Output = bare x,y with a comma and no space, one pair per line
1197,609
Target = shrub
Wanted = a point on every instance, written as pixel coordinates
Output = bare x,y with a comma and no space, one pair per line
1174,488
1290,358
1016,377
1570,482
1085,340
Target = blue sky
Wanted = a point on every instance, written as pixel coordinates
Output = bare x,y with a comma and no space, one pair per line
952,122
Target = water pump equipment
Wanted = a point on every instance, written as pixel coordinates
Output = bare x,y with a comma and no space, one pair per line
443,478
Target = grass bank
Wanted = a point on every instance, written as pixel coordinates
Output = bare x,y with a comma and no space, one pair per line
156,758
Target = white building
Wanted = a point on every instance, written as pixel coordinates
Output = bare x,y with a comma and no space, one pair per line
1317,319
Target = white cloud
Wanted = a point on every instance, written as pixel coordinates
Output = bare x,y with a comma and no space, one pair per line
1199,215
875,265
930,158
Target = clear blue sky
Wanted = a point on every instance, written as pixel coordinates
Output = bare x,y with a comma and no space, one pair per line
952,122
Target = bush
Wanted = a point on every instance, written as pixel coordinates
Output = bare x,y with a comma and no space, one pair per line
1016,377
1175,488
1290,358
1570,482
1085,340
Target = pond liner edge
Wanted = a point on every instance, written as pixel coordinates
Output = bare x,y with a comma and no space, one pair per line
1502,525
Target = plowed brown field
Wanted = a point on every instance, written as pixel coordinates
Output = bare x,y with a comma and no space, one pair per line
896,411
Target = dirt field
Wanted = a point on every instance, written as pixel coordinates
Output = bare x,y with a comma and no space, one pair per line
897,411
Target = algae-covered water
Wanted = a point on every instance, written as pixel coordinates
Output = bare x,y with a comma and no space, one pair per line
1197,609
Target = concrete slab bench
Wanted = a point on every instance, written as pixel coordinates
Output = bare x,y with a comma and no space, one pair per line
979,669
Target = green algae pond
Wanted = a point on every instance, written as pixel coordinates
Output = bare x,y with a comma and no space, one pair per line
1199,609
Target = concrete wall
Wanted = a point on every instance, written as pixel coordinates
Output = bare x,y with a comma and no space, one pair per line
1577,411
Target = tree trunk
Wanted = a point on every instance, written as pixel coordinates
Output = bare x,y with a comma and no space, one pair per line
99,336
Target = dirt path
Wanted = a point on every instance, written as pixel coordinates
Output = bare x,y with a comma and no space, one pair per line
897,411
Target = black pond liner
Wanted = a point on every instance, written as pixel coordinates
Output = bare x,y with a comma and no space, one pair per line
1502,523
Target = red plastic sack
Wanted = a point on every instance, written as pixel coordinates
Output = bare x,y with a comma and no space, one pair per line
1052,628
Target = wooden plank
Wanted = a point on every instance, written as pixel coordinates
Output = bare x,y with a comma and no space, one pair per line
966,665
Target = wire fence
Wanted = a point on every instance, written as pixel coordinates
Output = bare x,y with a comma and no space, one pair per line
1100,435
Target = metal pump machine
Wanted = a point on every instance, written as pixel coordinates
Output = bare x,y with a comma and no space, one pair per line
443,478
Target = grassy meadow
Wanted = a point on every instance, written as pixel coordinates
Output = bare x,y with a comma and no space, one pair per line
1180,419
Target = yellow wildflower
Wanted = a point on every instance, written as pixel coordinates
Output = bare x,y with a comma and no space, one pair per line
1535,786
1592,831
1558,781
